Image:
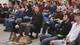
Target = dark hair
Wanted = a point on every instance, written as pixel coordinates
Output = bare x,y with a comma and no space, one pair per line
69,1
4,4
57,3
71,17
59,15
0,4
78,5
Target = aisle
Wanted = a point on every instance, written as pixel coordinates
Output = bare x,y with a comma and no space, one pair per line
5,35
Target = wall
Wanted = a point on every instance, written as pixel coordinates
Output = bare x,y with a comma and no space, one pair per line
4,1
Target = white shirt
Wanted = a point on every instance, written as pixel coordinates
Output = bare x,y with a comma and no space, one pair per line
61,8
73,34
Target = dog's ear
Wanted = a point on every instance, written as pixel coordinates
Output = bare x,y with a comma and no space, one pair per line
23,34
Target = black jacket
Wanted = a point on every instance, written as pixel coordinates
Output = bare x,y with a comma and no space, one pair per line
64,29
37,21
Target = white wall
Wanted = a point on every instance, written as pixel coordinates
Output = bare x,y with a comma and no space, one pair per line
4,1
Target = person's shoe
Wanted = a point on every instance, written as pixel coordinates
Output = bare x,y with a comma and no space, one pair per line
32,37
36,37
7,30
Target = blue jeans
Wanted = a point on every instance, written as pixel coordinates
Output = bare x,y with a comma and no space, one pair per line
46,39
45,26
9,23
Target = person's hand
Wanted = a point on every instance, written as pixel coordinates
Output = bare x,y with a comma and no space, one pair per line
56,19
67,39
52,42
17,26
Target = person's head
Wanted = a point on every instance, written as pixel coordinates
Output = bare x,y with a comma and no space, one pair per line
5,5
0,5
77,17
40,3
57,3
73,0
31,2
59,15
54,3
36,9
26,7
69,17
65,17
11,5
24,2
21,6
17,7
22,9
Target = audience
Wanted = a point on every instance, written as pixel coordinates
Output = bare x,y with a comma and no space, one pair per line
60,30
56,17
73,33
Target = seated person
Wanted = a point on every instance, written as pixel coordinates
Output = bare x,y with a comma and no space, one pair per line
77,42
9,23
64,30
74,32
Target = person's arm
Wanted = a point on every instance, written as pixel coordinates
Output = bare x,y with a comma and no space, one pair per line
69,34
73,34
